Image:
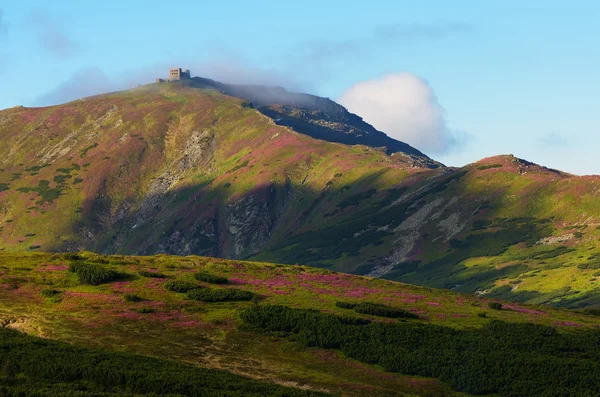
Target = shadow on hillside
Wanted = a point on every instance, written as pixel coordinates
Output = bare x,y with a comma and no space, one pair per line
291,223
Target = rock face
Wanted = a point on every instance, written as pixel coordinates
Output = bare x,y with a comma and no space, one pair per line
189,170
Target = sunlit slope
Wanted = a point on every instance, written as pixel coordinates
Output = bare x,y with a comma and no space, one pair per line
175,169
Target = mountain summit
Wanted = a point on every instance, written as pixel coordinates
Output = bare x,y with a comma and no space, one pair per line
314,116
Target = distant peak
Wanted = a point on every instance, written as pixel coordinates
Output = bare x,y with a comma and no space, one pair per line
511,163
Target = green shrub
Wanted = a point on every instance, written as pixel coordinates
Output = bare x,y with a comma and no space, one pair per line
131,298
346,305
92,274
495,305
31,366
72,256
210,278
502,359
219,295
376,309
49,293
145,273
488,166
592,311
145,310
181,286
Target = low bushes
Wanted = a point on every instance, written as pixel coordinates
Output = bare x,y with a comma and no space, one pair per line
92,274
31,366
49,293
376,309
131,298
488,166
346,305
219,295
147,274
210,278
504,359
181,286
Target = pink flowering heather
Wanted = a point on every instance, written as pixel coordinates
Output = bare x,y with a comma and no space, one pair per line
521,309
566,324
52,268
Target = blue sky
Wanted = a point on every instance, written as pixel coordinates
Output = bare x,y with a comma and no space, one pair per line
518,77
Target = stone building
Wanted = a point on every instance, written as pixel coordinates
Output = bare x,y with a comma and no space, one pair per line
176,74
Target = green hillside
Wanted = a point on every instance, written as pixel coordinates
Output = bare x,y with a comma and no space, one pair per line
266,327
184,170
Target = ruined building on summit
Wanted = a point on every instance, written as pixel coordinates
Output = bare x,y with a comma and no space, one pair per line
176,74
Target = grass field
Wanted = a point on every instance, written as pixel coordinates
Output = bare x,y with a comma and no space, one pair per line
132,311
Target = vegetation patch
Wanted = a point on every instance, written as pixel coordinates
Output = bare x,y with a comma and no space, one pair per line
45,193
131,298
181,286
36,168
357,198
558,251
488,166
210,278
500,358
85,151
147,274
219,295
49,292
92,273
376,309
32,366
237,167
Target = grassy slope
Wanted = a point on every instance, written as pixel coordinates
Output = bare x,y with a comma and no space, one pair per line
209,334
180,170
501,227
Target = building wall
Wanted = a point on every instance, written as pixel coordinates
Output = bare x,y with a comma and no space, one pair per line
175,74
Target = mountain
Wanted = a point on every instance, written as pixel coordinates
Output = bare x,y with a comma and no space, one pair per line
314,116
200,167
119,325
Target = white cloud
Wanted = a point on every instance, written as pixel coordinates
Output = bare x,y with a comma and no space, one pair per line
403,106
52,35
84,83
554,139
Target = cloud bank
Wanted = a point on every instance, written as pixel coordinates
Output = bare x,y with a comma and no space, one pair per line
554,139
403,106
92,80
51,35
317,56
302,68
84,83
